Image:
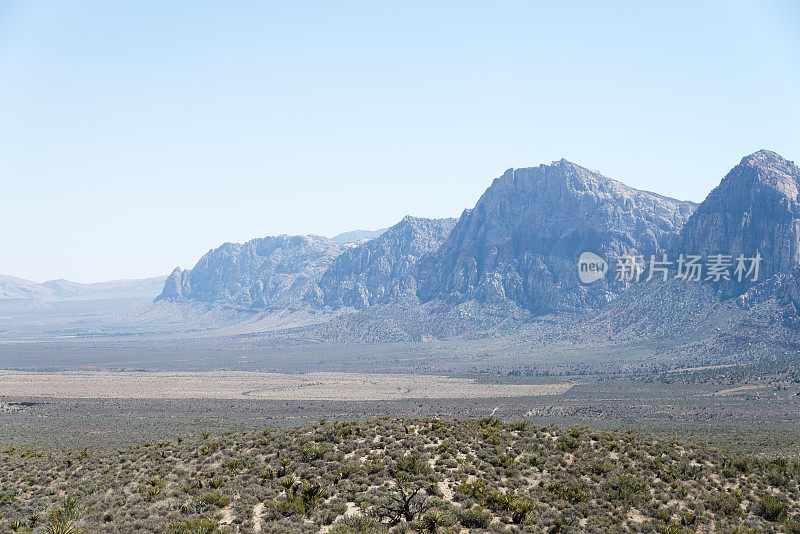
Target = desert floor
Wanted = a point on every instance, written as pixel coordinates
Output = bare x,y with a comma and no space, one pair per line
258,385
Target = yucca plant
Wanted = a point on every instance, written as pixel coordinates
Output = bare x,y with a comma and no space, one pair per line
189,506
69,511
19,526
194,526
287,483
433,521
151,492
520,508
63,520
311,492
59,527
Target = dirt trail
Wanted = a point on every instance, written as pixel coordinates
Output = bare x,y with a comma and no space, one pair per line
258,521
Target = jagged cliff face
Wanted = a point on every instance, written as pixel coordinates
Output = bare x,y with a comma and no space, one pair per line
385,268
270,272
523,238
754,209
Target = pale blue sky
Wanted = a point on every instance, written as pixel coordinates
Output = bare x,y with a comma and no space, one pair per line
137,135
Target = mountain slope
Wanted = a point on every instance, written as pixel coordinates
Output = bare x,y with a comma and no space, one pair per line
145,288
19,288
385,267
522,239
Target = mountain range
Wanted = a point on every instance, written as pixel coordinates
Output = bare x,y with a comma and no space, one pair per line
519,243
509,265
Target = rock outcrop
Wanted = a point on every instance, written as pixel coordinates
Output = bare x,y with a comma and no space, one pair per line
522,239
384,268
783,287
278,272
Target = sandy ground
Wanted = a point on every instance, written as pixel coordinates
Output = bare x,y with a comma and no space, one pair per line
738,389
254,385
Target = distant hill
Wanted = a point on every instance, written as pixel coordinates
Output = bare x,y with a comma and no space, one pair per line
64,290
18,288
357,235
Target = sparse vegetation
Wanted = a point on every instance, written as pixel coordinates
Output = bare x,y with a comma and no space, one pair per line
384,475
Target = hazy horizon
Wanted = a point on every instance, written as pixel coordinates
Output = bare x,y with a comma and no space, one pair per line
139,136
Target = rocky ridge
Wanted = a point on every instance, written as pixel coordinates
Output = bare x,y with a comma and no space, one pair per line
384,268
272,273
266,273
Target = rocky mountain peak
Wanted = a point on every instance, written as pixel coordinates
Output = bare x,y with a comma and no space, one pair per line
176,287
411,226
522,239
754,210
773,170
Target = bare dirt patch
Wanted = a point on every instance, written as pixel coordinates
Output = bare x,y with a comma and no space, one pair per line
737,390
256,385
258,521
